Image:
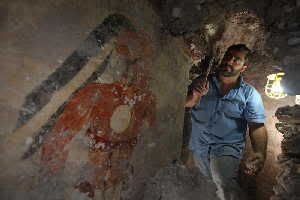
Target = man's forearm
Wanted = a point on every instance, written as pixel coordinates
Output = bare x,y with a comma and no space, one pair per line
259,138
191,100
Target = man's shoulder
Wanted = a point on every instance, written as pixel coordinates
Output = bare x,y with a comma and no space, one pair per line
249,90
248,86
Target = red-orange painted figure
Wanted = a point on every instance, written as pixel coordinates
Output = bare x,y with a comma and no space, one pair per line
93,107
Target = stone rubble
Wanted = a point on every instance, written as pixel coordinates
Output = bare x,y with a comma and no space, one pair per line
294,41
288,178
177,182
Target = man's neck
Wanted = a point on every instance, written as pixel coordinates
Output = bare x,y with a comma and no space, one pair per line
227,83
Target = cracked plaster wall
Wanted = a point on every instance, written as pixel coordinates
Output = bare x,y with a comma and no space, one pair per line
140,65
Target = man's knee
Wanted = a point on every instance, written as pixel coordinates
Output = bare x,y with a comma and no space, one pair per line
224,168
203,164
224,171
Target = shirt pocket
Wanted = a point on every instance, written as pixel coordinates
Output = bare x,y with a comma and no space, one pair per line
233,108
202,112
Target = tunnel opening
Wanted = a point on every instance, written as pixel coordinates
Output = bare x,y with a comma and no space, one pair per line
247,28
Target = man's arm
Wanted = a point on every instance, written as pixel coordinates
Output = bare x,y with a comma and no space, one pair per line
259,138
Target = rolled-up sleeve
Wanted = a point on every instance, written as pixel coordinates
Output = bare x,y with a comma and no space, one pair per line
254,111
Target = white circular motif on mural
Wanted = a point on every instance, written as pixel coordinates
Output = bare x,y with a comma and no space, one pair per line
120,119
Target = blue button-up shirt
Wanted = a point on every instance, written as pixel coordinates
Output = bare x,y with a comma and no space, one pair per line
219,123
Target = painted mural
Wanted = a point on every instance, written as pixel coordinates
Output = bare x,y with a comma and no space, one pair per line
90,47
111,114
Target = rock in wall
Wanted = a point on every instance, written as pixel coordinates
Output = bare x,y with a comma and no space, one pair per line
288,179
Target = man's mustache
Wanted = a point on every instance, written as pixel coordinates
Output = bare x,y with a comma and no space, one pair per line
224,66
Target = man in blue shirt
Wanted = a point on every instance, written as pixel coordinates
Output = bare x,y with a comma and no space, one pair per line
221,113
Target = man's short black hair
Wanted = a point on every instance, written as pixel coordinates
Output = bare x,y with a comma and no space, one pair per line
240,47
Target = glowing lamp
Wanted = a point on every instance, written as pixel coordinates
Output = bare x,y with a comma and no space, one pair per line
273,88
297,100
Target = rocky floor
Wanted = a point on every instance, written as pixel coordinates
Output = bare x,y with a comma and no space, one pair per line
177,182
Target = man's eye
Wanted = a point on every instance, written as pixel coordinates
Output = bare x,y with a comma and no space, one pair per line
237,59
228,56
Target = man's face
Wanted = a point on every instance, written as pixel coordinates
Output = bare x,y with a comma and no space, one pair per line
232,64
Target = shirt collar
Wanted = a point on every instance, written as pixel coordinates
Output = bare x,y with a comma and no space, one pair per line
240,80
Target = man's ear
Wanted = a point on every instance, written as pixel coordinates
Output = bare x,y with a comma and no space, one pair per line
244,68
